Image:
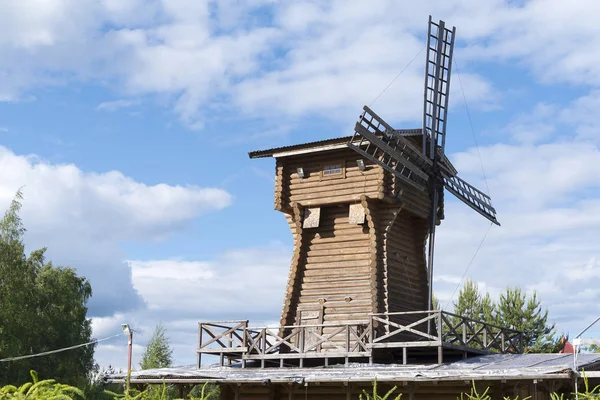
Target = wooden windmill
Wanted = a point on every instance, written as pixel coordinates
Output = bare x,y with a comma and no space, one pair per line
361,224
426,169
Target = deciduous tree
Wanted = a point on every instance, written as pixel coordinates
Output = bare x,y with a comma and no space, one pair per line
42,308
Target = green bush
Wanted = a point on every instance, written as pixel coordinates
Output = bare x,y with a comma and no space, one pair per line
162,393
474,395
49,389
586,394
376,396
37,390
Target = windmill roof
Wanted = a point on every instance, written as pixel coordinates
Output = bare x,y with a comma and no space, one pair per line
308,145
319,145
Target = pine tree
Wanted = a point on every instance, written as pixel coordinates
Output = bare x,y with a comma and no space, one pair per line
158,353
516,311
472,305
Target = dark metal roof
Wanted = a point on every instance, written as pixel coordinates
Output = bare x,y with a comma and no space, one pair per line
308,145
487,367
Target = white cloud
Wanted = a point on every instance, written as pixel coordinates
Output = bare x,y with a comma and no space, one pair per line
525,177
330,68
240,284
104,327
539,35
307,58
580,114
536,126
218,288
82,218
116,104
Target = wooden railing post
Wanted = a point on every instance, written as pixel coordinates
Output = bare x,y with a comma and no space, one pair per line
440,348
199,344
301,338
439,325
372,327
245,343
485,343
369,340
245,335
347,338
263,345
263,341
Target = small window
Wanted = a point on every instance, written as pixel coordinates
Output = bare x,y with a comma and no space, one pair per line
334,169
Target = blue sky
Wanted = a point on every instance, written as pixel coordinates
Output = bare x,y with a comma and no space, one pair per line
129,122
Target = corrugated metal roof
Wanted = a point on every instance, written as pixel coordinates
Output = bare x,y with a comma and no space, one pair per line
487,367
308,145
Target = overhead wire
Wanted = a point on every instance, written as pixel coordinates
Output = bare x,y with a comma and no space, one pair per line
397,76
471,124
468,266
484,178
45,353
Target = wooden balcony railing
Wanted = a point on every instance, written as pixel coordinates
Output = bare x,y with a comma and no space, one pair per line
234,340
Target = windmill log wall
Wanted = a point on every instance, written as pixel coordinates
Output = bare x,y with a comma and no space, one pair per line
343,269
404,260
316,190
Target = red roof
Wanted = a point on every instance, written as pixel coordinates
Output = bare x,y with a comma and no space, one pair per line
568,348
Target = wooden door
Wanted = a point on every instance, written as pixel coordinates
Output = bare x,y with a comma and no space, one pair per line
311,333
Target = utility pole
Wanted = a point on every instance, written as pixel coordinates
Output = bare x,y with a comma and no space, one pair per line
128,331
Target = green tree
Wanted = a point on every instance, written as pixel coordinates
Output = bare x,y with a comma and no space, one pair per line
593,348
158,353
516,311
472,304
42,308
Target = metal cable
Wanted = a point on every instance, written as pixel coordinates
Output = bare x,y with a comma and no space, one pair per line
58,350
399,73
484,178
471,124
469,266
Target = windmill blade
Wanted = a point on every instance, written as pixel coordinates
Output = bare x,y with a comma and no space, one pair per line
471,196
446,166
440,44
377,141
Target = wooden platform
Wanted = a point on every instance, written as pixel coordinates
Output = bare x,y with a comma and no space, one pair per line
418,336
